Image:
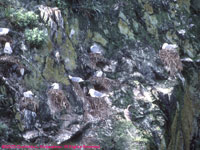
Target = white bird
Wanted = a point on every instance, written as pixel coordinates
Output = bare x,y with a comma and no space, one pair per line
28,94
4,31
94,93
187,59
96,49
7,48
76,79
98,73
169,46
55,86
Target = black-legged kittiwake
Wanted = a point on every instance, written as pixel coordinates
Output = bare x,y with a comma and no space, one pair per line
76,79
4,31
98,73
56,99
55,86
96,49
94,93
28,94
7,48
22,70
167,46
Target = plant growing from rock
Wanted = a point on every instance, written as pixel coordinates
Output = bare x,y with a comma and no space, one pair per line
35,37
22,18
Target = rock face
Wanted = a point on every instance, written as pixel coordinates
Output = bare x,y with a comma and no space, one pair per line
126,74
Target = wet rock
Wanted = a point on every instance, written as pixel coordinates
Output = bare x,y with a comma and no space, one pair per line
31,135
28,119
65,135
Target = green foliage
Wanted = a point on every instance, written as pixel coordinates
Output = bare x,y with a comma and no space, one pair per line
35,37
23,18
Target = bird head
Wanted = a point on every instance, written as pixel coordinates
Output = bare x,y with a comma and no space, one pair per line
55,86
28,94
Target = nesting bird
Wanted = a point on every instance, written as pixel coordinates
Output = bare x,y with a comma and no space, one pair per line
56,99
171,47
96,49
127,113
170,58
28,102
7,48
75,79
28,94
98,73
4,31
94,93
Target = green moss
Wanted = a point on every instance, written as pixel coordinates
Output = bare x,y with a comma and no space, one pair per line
69,55
54,73
187,116
184,4
59,37
125,30
124,134
188,48
171,36
148,8
151,23
173,132
89,34
75,26
34,80
99,38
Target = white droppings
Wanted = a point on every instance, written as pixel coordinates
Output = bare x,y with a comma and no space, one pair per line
72,32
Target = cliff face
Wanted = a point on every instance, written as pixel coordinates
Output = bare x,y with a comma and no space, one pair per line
114,47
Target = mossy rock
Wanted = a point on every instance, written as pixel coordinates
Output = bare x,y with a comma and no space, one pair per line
125,30
55,72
